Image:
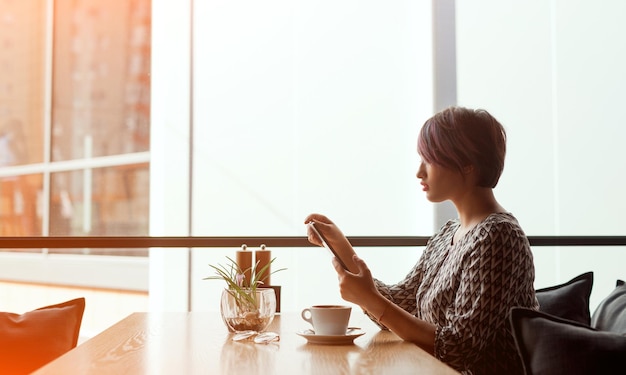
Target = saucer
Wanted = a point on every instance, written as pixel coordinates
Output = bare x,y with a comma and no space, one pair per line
348,338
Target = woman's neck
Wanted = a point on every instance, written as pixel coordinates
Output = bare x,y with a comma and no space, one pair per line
473,210
475,206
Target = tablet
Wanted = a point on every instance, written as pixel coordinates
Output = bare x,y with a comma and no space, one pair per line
325,243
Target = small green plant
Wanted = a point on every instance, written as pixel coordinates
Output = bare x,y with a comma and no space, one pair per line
244,291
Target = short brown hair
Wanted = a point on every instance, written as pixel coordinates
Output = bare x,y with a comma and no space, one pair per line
458,137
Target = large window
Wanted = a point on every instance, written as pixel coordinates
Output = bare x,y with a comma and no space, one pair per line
263,112
75,118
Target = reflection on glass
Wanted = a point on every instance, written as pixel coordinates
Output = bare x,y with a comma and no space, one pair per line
101,85
108,201
22,51
12,143
20,205
93,66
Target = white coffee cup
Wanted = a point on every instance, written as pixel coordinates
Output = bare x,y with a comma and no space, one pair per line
331,320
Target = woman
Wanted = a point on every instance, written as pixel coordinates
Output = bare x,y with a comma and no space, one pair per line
455,301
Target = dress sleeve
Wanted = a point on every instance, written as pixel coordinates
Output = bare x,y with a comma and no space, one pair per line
494,263
402,293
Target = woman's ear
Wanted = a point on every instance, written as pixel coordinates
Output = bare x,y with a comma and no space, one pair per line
468,169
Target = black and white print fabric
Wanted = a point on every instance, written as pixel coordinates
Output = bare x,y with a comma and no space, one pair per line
467,289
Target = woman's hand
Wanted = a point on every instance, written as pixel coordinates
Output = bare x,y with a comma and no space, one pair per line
334,237
324,225
358,287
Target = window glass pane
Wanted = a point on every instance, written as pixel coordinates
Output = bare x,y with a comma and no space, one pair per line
20,205
101,86
108,201
302,118
22,51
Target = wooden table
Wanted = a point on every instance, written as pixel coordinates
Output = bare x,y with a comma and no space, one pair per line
199,343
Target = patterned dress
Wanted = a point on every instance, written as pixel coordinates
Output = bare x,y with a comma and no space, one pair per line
467,289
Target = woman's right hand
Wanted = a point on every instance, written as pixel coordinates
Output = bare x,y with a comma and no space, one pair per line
334,237
324,225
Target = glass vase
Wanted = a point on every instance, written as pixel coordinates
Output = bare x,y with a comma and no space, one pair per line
253,311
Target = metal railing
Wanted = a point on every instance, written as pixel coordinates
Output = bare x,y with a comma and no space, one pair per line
273,241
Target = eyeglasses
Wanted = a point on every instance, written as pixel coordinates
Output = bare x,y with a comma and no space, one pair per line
257,337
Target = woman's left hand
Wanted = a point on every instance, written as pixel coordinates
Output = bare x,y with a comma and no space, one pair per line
358,287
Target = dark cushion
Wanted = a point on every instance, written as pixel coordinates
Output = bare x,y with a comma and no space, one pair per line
550,345
610,315
569,300
30,340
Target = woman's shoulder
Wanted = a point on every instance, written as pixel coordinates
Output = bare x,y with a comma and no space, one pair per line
501,224
501,218
494,219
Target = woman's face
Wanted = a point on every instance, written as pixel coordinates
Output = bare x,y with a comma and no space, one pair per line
440,183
